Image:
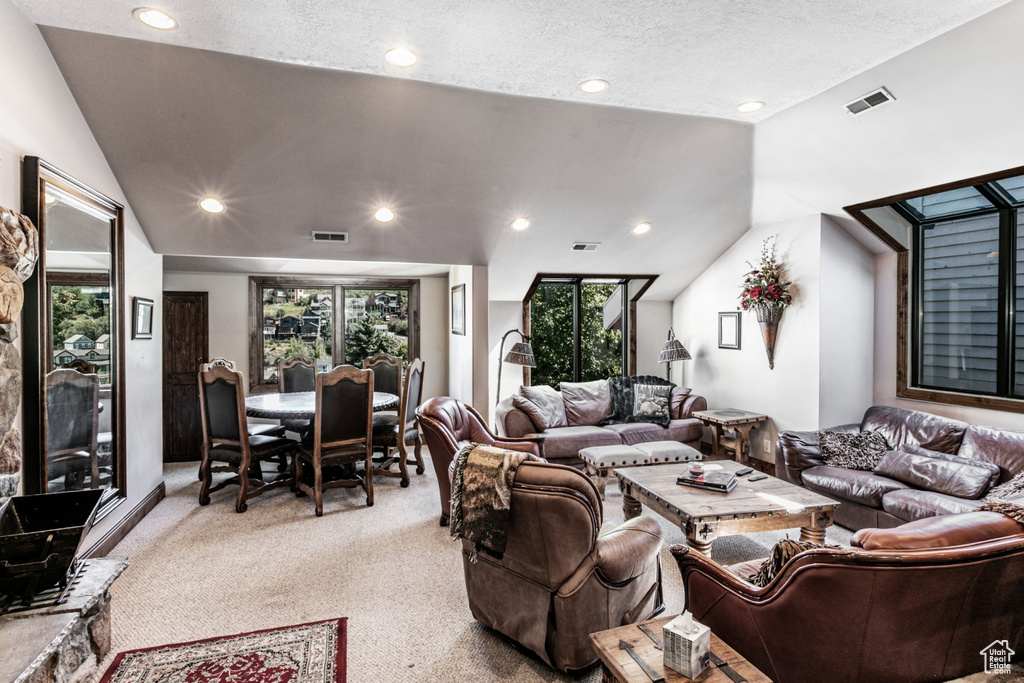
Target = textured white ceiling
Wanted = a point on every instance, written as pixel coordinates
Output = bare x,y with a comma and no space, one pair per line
690,57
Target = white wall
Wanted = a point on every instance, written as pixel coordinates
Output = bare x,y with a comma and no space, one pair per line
229,321
653,320
502,317
460,347
39,117
846,351
741,378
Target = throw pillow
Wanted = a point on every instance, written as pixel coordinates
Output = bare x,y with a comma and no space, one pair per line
960,479
782,552
1011,510
1007,491
544,406
974,462
852,451
650,404
586,403
621,390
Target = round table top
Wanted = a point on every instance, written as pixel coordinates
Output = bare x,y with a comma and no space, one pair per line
301,405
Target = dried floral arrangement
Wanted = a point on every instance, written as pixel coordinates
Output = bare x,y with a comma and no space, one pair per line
763,287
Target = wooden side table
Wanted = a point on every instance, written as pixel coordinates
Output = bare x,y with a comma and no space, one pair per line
739,421
619,667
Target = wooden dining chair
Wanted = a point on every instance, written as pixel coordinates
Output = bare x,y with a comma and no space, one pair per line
387,372
394,432
294,374
72,428
342,433
229,364
226,439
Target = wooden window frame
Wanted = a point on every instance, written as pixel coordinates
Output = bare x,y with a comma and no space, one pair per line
339,285
904,306
630,322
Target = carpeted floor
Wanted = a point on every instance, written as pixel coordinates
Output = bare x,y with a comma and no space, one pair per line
199,572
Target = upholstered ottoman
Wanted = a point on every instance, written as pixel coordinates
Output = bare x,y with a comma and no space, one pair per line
599,460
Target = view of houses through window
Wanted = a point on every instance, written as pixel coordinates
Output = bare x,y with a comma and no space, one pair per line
80,326
299,321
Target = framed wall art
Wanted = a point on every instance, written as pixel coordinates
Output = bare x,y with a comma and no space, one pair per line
729,330
142,318
459,309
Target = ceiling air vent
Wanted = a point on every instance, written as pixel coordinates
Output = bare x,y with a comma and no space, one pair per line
585,246
320,236
873,100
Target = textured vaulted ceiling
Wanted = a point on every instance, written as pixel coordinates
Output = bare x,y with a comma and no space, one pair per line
697,57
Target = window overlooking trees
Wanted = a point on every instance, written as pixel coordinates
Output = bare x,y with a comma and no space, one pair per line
295,316
577,330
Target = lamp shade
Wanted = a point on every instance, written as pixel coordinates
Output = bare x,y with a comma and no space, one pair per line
673,350
521,354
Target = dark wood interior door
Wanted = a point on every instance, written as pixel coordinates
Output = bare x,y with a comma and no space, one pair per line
186,345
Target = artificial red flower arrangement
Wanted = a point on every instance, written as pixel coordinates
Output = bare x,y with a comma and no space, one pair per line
763,286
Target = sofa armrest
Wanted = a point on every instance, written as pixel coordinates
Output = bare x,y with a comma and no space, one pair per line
624,552
796,451
691,404
526,444
511,422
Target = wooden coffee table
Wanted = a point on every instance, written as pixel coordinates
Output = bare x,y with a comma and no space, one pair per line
619,667
703,516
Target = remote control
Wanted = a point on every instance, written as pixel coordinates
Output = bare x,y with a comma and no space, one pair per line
744,471
758,477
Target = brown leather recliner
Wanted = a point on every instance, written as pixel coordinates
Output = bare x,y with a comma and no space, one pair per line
915,603
447,425
559,580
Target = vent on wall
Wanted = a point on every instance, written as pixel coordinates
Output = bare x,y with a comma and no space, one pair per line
585,246
873,100
320,236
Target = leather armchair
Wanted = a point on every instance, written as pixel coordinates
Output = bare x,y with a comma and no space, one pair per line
914,603
447,425
559,579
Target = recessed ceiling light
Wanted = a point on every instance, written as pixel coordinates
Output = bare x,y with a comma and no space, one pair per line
384,215
400,56
748,107
155,18
593,85
211,205
520,224
641,228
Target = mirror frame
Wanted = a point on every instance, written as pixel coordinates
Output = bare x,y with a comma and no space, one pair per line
35,330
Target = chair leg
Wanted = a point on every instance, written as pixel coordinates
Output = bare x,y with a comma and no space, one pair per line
207,479
402,465
368,479
318,490
419,455
243,490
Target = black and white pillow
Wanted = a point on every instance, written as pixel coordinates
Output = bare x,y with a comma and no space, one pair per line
852,451
782,552
650,404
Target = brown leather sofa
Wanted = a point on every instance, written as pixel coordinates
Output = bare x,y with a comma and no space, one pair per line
559,580
872,500
447,425
563,444
916,603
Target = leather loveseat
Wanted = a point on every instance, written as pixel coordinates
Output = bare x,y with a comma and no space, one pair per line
916,603
584,409
871,500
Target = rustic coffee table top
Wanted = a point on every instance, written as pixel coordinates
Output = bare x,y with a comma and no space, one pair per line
769,496
729,416
621,667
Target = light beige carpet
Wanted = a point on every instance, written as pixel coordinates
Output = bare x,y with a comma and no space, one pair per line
199,572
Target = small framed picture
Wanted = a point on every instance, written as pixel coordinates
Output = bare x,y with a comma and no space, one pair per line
459,309
729,330
142,318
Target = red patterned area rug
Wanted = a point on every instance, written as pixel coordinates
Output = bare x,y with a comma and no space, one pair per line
309,653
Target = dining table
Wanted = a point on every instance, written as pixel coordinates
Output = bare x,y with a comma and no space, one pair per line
301,405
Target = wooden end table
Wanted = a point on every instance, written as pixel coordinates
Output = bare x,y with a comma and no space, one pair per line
703,515
739,421
619,667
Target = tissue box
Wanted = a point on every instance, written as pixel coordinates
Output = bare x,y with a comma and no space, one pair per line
687,645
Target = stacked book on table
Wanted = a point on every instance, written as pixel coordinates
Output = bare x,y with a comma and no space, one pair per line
709,481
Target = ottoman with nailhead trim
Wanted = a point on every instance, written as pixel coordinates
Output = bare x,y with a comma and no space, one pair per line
600,460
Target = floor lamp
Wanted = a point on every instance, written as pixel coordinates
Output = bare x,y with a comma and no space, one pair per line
520,354
672,350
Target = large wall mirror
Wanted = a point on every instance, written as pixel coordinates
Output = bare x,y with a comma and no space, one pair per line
73,339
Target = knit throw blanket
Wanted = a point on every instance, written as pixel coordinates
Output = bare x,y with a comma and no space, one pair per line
621,391
481,496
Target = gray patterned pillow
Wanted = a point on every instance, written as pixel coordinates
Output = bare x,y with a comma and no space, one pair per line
650,404
852,451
